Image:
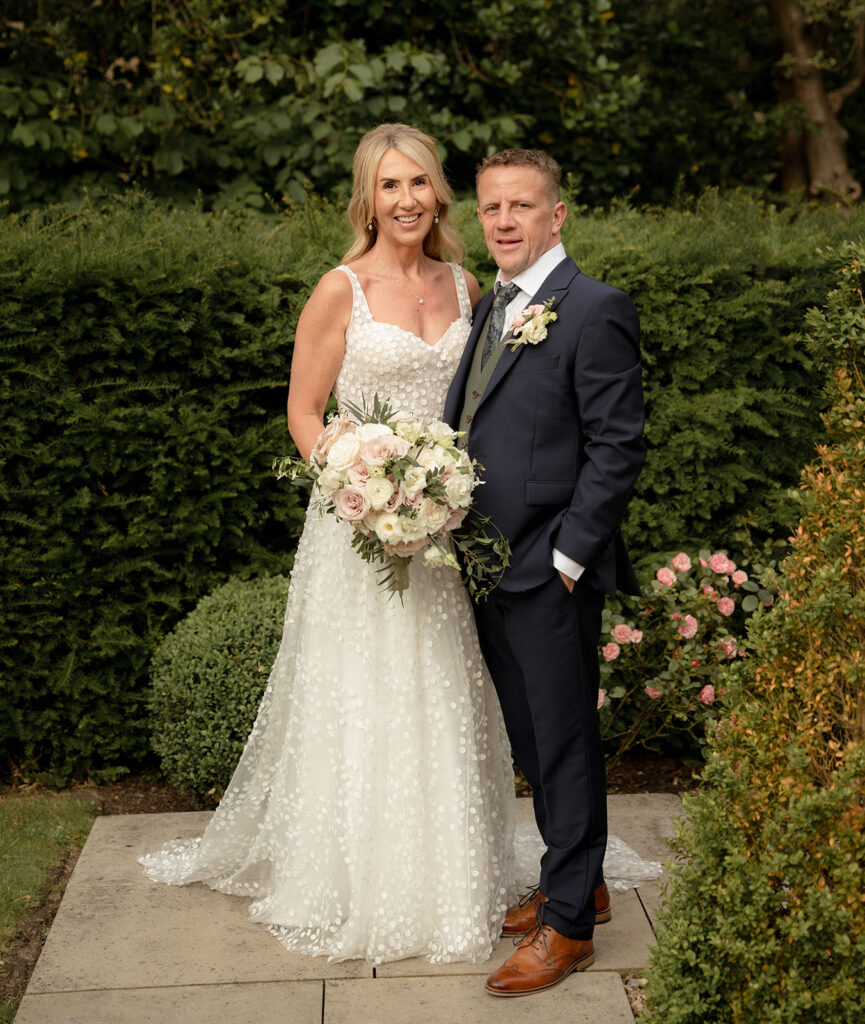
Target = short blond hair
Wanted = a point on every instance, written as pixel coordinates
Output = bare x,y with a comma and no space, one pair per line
549,169
443,239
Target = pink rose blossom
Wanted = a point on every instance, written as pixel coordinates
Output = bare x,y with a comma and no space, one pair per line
602,696
739,577
688,627
410,502
675,616
534,310
653,693
707,694
350,503
694,663
703,562
358,474
721,564
518,322
665,576
726,606
728,646
406,548
621,633
456,519
636,636
611,652
338,426
396,499
681,563
383,448
710,591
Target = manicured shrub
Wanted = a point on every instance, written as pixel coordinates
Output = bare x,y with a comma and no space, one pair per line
208,676
764,922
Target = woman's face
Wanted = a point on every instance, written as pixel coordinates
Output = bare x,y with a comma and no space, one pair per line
404,199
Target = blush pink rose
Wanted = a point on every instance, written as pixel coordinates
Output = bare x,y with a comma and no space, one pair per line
611,652
681,562
728,646
406,548
456,519
653,693
621,633
726,606
518,322
707,695
739,577
534,310
665,576
384,448
602,696
338,426
636,636
721,564
358,473
351,503
688,627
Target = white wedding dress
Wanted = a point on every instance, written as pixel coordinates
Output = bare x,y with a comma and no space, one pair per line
371,814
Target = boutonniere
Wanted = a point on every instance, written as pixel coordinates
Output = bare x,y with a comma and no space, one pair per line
530,326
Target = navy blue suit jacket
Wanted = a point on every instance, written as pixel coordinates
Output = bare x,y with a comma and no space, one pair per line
559,433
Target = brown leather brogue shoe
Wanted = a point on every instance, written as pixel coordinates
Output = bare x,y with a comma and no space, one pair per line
521,918
543,959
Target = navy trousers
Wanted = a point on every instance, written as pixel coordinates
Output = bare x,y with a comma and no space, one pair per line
541,647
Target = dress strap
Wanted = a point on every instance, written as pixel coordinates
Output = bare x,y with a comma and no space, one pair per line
462,291
357,292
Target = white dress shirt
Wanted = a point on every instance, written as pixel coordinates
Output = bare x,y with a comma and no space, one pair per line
529,281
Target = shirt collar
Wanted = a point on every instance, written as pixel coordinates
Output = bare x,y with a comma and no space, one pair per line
531,279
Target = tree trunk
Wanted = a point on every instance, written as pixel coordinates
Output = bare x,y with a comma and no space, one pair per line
818,150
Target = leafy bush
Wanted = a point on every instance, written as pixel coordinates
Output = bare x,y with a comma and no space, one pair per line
764,920
208,676
144,356
660,654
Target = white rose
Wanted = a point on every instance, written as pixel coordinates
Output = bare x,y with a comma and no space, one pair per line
428,458
389,529
442,434
444,456
434,557
458,490
534,331
410,430
343,453
414,480
379,490
329,481
433,515
370,430
413,528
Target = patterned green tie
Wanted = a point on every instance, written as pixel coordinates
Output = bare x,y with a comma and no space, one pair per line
505,294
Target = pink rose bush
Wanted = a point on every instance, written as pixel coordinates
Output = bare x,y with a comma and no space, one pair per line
661,681
404,488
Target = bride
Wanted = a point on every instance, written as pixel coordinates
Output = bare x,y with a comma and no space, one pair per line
370,814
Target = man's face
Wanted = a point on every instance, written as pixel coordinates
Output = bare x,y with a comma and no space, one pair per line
520,220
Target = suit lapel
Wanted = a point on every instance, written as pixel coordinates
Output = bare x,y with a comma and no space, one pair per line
555,286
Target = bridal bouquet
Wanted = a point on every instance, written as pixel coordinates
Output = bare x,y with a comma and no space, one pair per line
404,487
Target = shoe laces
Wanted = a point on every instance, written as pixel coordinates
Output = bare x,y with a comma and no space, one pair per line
527,897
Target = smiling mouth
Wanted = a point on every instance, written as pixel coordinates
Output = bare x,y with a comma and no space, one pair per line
413,219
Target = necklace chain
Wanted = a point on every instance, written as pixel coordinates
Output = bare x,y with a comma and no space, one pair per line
399,284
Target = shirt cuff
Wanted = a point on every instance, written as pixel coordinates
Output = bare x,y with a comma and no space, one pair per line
567,565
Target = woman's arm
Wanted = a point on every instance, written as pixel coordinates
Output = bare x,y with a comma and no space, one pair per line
474,287
319,346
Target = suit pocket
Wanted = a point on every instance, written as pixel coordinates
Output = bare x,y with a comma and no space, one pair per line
550,492
534,364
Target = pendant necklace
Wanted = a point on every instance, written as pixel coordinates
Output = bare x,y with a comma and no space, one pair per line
399,284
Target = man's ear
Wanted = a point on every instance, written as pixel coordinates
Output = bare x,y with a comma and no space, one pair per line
560,211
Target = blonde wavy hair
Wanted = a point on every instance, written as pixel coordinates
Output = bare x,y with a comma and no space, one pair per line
443,239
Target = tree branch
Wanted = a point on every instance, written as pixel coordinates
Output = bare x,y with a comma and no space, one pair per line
837,96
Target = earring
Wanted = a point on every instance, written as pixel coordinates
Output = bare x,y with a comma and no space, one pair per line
436,217
369,226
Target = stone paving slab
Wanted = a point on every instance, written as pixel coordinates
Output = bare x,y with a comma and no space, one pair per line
285,1002
579,999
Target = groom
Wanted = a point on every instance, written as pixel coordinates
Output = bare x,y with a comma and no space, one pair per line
554,414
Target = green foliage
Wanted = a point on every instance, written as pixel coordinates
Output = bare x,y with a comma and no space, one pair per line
208,677
765,920
143,369
243,101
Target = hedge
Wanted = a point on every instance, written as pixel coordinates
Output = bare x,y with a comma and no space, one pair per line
144,358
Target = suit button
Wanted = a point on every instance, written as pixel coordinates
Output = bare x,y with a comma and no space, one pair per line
469,418
476,394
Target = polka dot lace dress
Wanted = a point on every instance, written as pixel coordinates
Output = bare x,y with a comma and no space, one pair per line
371,814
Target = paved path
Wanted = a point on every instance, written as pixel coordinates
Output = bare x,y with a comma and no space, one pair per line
124,950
